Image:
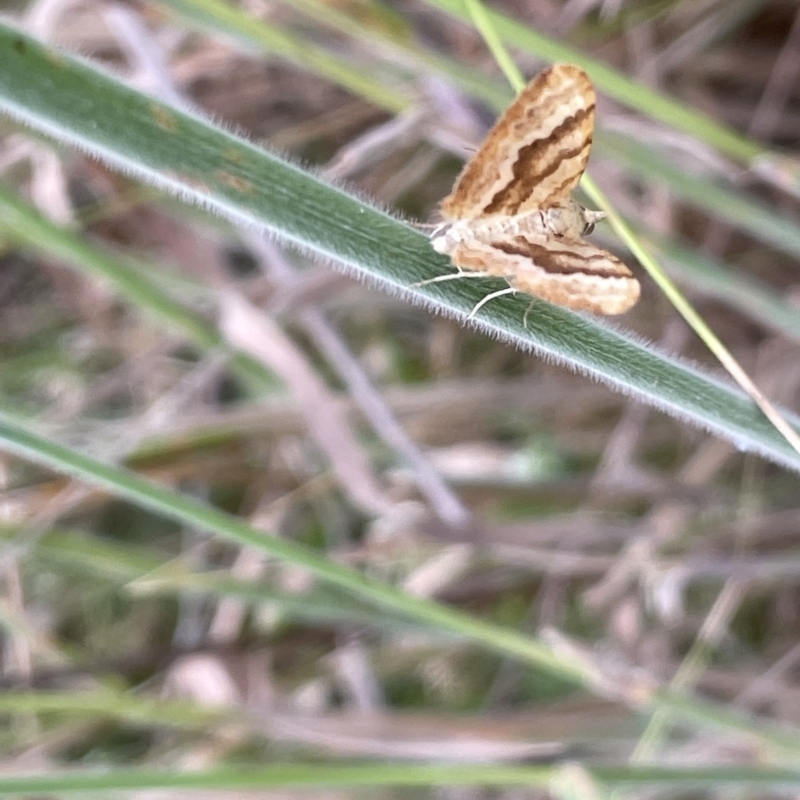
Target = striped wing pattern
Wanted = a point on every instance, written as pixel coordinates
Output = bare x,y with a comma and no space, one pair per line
510,213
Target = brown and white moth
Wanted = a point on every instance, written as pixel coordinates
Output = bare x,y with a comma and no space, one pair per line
510,213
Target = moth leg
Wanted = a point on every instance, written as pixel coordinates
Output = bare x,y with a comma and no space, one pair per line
451,276
528,311
499,293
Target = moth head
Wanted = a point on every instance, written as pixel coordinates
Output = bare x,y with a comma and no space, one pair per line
590,219
440,240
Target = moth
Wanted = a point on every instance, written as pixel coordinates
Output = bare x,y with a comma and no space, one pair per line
511,214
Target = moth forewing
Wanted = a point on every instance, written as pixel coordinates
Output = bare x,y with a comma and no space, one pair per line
510,213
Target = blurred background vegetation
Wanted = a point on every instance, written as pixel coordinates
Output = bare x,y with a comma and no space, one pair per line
638,554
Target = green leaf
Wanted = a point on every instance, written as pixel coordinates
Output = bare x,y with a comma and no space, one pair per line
311,774
188,156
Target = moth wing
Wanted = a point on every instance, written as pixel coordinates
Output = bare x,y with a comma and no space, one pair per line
568,272
536,152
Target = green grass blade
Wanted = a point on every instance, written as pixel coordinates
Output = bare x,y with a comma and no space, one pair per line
226,18
741,291
76,556
402,47
305,775
724,201
612,83
188,511
216,17
188,156
33,231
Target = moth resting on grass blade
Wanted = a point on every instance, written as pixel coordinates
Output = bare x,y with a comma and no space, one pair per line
510,214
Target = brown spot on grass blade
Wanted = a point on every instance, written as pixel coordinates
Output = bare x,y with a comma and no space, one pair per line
235,182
